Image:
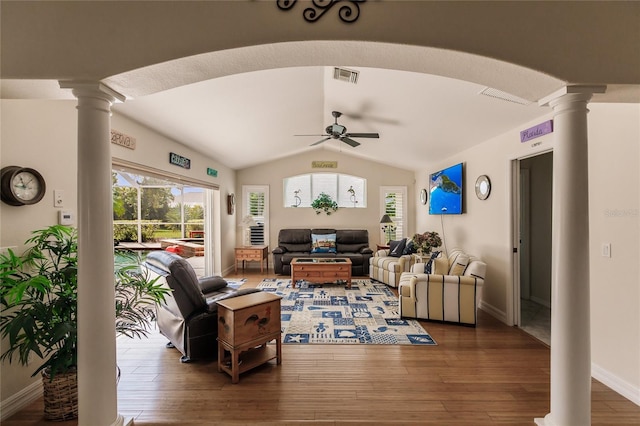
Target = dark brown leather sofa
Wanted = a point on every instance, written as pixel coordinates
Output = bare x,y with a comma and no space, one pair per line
350,243
189,316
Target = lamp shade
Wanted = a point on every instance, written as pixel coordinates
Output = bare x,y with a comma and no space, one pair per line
386,219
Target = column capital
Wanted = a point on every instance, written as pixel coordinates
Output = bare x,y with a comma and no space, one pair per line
580,92
92,88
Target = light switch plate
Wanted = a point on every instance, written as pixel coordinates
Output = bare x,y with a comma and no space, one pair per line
58,198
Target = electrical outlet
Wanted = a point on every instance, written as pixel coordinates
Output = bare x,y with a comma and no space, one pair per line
58,198
606,250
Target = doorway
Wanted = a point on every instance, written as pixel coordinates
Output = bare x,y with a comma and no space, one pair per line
153,211
533,255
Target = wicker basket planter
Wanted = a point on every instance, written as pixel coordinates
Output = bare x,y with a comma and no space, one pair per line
60,396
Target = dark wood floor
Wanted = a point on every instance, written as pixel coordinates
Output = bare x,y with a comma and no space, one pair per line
492,374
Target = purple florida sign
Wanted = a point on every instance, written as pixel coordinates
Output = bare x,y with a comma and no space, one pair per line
536,131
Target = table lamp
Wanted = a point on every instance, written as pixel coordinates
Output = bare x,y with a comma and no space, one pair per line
387,226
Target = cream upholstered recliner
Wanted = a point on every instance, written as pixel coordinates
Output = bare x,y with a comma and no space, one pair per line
387,268
451,293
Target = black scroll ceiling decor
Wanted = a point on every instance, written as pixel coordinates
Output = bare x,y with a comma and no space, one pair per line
349,9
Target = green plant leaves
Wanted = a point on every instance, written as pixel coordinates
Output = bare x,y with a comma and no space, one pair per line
324,203
39,298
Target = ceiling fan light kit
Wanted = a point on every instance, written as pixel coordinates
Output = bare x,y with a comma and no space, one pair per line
338,131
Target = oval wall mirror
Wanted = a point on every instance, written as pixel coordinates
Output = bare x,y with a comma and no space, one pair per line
483,187
423,196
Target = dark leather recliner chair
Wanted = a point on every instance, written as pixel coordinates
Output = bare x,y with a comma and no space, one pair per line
189,316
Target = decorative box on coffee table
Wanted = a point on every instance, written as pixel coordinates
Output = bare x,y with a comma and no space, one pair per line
245,325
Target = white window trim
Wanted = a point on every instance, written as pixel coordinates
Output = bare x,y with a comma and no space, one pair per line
362,201
246,189
383,191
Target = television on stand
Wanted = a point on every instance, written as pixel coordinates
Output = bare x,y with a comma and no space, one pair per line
445,188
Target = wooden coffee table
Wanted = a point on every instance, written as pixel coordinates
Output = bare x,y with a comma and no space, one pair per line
320,270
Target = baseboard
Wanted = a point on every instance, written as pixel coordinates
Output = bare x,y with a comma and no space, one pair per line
230,270
20,400
493,311
624,388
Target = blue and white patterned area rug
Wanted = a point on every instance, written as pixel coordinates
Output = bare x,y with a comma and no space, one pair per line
332,314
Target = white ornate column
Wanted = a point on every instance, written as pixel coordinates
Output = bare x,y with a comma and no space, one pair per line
97,394
570,310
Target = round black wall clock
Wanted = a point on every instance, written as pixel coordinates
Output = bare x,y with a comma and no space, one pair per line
21,185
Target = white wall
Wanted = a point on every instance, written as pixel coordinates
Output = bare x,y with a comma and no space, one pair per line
280,217
41,135
614,217
485,231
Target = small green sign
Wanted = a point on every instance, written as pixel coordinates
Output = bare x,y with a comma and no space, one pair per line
212,172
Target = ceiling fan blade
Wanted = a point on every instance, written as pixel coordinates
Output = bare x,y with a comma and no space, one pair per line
320,141
349,141
312,135
363,135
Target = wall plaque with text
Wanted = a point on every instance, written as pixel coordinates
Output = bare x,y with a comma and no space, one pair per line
179,160
324,164
119,138
536,131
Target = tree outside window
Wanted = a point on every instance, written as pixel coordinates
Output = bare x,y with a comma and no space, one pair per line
150,209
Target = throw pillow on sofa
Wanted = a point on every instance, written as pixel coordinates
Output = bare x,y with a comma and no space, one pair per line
396,248
429,265
410,247
440,265
323,243
461,263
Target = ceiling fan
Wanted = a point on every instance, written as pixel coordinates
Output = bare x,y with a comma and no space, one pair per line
338,131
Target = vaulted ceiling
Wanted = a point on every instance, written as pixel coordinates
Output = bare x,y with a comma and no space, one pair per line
253,117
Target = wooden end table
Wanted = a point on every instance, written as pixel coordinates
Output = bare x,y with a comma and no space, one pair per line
252,254
321,270
245,325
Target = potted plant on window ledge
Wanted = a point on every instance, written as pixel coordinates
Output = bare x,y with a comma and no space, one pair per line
325,204
38,298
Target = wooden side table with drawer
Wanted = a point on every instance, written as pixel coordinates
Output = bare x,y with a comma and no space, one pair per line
245,325
252,254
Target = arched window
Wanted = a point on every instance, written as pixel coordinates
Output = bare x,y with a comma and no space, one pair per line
348,191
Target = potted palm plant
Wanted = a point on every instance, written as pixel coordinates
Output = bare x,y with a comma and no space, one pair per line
38,299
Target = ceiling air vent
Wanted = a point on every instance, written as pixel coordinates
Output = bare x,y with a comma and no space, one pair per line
499,94
344,74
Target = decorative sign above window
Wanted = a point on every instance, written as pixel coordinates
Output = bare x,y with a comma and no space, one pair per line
121,139
324,164
179,160
349,10
536,131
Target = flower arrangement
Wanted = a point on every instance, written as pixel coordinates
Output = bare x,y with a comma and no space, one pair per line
324,203
426,241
